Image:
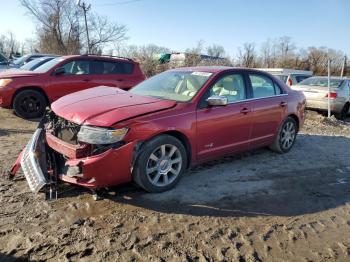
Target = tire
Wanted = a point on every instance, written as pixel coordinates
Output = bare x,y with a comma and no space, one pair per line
344,112
285,137
160,165
29,104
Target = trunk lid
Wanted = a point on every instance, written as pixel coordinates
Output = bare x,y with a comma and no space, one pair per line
314,92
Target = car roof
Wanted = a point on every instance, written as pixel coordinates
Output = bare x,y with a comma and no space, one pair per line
41,55
99,57
332,77
215,69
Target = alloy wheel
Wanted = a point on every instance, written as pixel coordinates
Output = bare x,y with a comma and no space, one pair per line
164,165
288,134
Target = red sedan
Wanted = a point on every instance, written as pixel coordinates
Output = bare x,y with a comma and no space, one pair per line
151,134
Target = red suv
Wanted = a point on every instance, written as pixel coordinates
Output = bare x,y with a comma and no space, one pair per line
28,93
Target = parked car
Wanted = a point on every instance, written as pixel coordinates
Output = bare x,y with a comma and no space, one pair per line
152,133
315,90
288,76
34,64
29,92
3,62
18,62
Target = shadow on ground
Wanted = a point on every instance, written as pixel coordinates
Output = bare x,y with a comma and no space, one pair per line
9,258
314,176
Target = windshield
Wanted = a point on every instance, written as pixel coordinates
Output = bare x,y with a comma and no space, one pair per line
173,85
47,66
321,81
33,64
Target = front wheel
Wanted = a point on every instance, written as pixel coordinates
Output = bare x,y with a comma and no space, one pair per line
29,104
161,164
285,137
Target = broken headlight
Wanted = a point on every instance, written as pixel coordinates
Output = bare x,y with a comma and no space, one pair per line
100,135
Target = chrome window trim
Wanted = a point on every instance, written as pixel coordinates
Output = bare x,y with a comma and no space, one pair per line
256,98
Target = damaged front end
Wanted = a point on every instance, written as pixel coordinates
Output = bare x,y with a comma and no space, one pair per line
63,150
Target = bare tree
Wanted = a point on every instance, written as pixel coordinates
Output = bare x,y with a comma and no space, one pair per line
247,56
268,54
147,56
286,49
60,27
57,25
193,55
216,50
103,32
9,44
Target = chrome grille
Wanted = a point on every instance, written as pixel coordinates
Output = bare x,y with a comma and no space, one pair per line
30,164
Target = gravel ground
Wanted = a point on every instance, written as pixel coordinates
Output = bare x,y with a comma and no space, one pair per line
257,206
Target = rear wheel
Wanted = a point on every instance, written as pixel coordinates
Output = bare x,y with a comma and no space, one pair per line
344,112
286,135
161,164
29,104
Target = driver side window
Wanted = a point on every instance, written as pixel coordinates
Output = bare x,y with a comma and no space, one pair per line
231,86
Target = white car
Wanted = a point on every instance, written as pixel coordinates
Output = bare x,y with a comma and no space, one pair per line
288,76
315,90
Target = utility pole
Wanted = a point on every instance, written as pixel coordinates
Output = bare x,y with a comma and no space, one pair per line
329,88
343,67
85,8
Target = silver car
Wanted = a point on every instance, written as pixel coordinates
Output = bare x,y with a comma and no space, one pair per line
315,90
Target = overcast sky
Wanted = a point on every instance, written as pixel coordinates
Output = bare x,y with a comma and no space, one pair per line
179,24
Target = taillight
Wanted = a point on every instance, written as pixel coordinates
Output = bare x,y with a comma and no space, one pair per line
332,95
290,82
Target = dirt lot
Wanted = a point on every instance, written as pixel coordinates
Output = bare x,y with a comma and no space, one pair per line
258,206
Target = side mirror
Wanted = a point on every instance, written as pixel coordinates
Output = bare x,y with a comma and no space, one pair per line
217,100
59,71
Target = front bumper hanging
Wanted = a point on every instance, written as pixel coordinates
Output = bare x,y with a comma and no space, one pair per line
33,158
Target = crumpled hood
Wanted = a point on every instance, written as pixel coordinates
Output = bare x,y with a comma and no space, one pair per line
11,73
105,106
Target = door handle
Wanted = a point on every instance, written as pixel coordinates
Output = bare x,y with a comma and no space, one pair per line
245,111
86,80
283,104
119,80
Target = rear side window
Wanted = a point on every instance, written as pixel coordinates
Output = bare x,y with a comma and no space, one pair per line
263,86
107,67
283,78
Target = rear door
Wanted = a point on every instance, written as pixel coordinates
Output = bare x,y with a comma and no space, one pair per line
76,77
224,129
113,73
269,105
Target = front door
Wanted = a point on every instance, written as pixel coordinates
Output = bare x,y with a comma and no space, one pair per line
224,129
75,78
